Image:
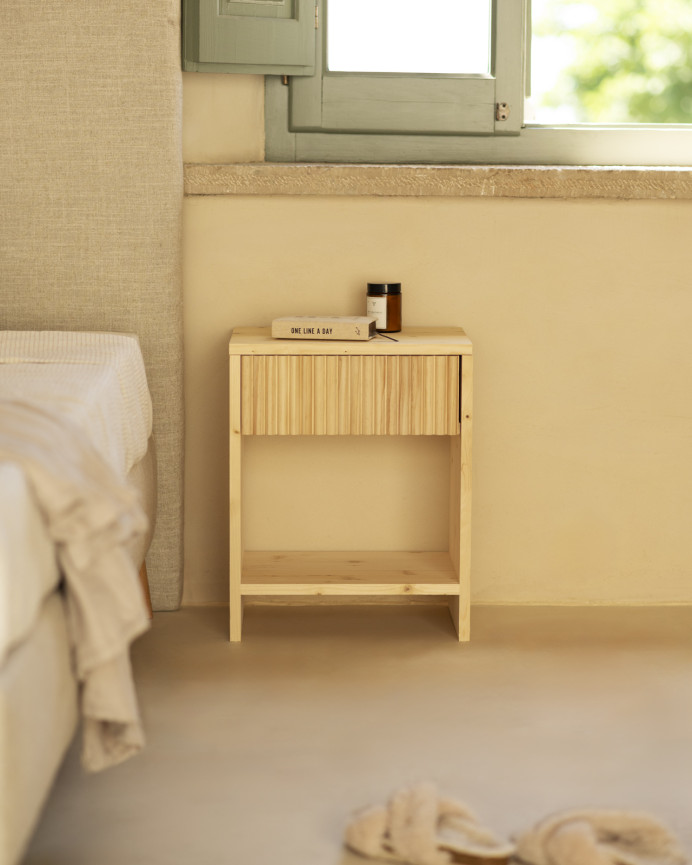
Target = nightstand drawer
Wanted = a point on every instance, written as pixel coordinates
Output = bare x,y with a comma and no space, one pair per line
350,395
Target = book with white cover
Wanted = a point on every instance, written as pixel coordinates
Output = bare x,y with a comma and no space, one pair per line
324,327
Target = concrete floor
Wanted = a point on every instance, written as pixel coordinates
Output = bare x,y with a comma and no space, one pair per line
258,752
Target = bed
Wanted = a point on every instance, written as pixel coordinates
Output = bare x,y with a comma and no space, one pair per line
90,240
77,513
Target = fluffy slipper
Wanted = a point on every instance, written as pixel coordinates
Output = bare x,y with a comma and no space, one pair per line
421,828
600,838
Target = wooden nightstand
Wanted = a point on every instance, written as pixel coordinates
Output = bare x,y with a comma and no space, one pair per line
420,385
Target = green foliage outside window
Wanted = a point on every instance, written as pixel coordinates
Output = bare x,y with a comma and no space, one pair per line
630,60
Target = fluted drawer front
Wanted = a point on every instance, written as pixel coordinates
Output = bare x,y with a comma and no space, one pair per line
352,395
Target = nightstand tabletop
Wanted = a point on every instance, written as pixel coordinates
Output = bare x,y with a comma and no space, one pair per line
409,341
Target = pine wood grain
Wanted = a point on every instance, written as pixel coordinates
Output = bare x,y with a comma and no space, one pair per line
235,444
349,573
354,395
410,341
420,385
460,504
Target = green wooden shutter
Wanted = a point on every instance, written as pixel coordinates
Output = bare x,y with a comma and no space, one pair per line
419,104
272,37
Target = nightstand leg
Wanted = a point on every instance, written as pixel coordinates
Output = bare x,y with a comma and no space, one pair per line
235,534
460,505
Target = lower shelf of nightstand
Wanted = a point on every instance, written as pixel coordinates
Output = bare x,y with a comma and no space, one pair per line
348,573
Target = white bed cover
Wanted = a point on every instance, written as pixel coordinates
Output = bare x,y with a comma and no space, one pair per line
99,382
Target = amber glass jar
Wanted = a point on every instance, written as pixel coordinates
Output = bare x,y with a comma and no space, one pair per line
384,303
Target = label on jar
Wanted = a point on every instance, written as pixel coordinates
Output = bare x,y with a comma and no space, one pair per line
377,307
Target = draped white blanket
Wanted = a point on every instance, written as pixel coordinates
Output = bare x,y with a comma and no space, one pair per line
28,565
92,518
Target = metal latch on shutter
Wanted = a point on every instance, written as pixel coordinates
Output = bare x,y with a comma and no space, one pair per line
501,110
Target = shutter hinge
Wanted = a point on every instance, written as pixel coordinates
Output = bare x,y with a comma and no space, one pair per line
317,15
501,110
284,80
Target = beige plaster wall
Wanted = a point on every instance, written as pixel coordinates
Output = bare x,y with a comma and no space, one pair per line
223,118
579,312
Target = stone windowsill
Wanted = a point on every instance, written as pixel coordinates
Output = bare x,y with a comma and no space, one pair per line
462,181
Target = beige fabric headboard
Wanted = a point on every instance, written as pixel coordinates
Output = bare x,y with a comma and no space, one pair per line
91,198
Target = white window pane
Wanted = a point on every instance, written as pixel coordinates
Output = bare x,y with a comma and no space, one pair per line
611,61
433,36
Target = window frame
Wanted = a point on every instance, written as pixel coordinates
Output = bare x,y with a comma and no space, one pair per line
405,103
530,144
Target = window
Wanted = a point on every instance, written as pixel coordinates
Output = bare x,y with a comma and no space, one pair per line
611,61
441,36
384,82
593,61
